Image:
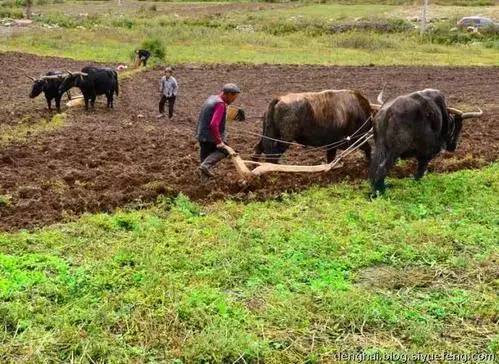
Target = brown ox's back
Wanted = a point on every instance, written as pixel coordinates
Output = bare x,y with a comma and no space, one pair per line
329,106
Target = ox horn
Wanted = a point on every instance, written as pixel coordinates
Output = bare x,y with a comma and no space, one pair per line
376,107
25,74
49,77
380,95
79,74
466,115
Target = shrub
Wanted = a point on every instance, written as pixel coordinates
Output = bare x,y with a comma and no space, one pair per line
383,26
5,200
443,34
156,47
123,22
14,13
356,40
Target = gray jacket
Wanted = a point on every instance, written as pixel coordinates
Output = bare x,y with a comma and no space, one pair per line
203,132
168,86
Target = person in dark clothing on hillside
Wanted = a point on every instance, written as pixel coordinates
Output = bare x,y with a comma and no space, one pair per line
142,56
211,129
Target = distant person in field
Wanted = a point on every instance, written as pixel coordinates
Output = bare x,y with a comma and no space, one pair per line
211,129
142,55
168,87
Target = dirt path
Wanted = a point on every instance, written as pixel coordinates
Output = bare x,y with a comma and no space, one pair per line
107,159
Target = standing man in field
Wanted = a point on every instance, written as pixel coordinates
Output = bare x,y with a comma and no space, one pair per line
211,129
168,87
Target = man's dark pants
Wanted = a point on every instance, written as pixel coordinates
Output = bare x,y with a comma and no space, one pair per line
210,154
171,104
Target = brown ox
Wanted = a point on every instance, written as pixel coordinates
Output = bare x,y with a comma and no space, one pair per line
315,119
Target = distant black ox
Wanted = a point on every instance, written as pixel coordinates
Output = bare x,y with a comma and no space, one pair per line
93,81
416,125
315,119
48,84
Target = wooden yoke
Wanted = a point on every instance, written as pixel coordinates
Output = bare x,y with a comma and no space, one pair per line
263,168
241,167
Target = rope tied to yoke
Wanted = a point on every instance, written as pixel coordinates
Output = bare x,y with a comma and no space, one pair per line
326,147
262,168
311,148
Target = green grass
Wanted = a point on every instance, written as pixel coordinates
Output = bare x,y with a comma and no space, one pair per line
280,281
298,35
22,132
186,44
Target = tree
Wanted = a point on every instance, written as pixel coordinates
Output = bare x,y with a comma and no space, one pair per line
424,12
29,4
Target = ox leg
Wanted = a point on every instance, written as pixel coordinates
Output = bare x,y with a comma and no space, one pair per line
86,98
277,152
92,101
58,104
109,96
330,155
366,148
422,166
379,167
49,103
258,150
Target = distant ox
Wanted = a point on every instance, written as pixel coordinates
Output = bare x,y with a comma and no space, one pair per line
93,81
48,84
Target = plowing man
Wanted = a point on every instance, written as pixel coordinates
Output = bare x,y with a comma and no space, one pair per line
211,129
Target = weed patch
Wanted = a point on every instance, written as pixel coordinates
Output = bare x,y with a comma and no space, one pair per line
19,133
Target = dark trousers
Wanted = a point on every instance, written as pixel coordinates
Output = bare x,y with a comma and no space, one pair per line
209,149
171,104
143,61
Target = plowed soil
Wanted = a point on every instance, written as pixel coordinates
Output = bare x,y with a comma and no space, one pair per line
102,159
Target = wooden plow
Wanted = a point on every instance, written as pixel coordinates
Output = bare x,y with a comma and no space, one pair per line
263,167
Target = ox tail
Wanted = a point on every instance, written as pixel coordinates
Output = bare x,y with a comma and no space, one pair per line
117,87
381,162
270,112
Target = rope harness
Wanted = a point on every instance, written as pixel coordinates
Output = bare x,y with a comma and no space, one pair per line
324,148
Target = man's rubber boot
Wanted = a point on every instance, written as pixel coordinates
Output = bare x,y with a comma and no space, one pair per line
205,171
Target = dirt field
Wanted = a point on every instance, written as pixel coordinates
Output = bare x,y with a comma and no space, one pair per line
128,7
107,159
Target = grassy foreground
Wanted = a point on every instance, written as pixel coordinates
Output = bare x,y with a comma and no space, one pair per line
277,281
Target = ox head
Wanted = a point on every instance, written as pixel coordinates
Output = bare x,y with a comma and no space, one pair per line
268,144
41,83
37,88
74,79
456,118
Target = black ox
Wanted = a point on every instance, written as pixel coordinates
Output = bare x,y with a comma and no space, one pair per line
416,125
93,81
315,119
48,84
